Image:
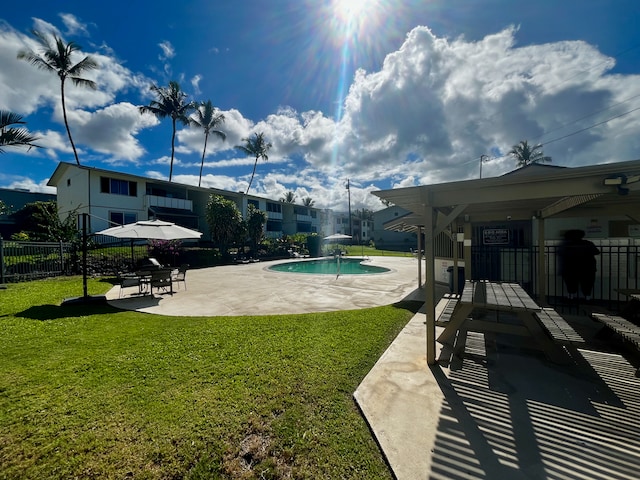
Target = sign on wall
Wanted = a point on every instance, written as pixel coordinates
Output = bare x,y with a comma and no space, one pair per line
495,236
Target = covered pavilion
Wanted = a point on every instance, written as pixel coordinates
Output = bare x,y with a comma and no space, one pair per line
534,193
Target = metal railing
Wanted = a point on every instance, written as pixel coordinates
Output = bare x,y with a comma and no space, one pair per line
21,261
618,267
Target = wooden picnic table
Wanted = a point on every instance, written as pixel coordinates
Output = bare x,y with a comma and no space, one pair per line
496,298
632,293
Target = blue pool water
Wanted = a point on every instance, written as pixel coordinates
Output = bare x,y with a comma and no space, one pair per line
329,266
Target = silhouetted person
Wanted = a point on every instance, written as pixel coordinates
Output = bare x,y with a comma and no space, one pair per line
578,263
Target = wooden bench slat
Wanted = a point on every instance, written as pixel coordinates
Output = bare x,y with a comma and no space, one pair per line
558,327
447,304
622,326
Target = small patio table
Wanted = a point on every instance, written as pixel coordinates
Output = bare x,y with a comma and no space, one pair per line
500,297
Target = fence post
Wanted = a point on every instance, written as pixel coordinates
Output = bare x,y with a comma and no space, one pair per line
61,255
1,260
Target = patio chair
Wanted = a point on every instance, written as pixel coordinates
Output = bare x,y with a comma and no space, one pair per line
161,279
128,280
180,275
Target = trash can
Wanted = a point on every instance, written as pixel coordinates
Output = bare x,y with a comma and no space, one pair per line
460,279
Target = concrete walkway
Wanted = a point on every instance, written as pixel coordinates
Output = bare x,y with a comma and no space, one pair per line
502,411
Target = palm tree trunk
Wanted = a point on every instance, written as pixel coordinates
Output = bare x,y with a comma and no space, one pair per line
66,123
173,142
252,174
206,136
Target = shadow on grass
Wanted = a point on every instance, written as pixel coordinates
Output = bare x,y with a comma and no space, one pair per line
54,312
411,305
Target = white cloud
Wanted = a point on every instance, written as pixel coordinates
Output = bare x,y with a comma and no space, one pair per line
112,130
195,83
74,26
168,51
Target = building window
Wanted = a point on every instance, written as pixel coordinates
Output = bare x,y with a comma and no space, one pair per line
274,226
68,182
274,207
122,218
116,186
255,203
314,214
300,211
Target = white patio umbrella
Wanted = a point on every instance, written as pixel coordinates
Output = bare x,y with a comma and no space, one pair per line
151,229
337,236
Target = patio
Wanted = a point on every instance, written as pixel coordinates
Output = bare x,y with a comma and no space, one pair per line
252,289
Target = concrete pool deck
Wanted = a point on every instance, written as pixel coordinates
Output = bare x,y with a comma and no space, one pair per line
253,289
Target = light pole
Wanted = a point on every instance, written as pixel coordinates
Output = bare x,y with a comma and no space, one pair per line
483,158
350,228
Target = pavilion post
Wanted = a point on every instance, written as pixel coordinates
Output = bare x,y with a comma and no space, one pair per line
429,286
419,256
542,260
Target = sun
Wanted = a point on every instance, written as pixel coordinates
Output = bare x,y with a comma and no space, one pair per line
348,10
355,18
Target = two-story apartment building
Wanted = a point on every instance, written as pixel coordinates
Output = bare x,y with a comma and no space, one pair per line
114,198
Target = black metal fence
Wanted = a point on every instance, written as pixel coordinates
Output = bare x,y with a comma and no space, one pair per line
618,267
29,260
22,261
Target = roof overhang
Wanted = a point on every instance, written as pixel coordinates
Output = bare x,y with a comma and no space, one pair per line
599,190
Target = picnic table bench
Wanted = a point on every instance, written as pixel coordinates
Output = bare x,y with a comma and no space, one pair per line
558,327
630,332
446,306
505,298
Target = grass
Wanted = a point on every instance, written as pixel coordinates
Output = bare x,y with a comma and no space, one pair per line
94,392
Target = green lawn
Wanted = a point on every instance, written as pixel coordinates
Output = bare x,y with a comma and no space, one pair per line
93,392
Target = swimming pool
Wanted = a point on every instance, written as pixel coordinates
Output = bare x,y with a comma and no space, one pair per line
329,266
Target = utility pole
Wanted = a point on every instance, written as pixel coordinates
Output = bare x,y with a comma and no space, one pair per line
349,191
483,158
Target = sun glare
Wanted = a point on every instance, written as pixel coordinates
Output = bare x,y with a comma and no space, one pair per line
347,10
355,17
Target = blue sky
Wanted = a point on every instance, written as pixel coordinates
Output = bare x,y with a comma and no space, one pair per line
384,93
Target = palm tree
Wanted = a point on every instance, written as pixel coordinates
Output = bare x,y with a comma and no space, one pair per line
289,197
257,147
14,136
526,154
207,118
56,57
308,202
170,102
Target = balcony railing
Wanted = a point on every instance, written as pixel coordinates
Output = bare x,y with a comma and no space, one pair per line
168,202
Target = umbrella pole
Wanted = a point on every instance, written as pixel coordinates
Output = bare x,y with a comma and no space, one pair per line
84,254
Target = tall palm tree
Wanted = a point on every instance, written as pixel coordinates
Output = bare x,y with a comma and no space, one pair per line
289,197
11,136
170,102
207,118
56,57
526,154
255,146
308,202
